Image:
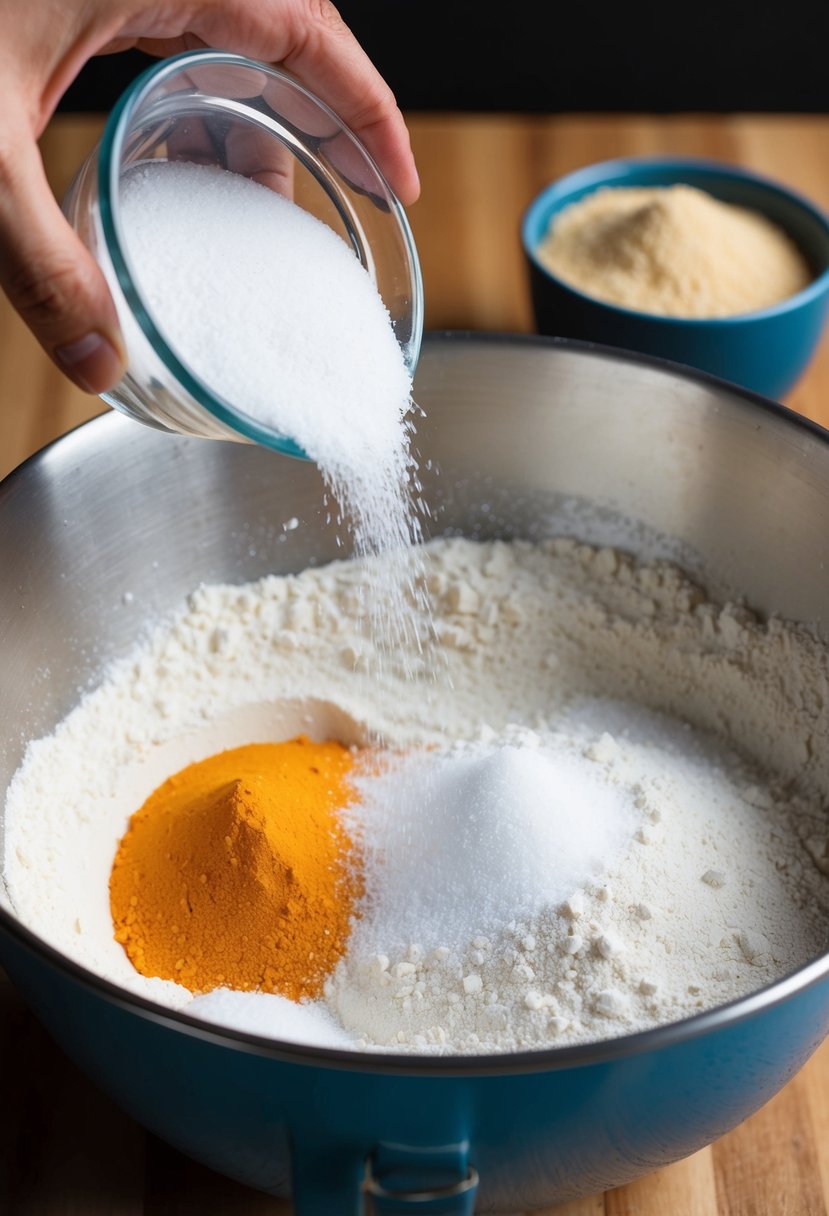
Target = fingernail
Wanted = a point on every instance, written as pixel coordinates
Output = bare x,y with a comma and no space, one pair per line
91,361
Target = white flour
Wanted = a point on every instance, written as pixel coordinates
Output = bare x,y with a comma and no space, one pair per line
705,729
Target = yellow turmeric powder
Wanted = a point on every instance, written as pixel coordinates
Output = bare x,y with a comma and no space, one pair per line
238,873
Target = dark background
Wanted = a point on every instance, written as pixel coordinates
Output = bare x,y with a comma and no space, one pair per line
571,55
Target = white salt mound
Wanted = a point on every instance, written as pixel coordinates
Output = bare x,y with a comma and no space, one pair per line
461,843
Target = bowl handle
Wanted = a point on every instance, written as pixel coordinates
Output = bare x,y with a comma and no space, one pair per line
391,1179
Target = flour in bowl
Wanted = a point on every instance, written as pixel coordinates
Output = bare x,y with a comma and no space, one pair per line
624,791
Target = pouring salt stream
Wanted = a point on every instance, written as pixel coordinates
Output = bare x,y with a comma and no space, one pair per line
484,795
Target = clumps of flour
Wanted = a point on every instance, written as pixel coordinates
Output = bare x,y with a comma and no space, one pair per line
626,782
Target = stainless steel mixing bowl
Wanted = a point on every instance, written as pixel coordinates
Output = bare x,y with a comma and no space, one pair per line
532,436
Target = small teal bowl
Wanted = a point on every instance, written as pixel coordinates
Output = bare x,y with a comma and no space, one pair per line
766,351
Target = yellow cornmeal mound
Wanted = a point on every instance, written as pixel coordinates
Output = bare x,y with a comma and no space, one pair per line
673,250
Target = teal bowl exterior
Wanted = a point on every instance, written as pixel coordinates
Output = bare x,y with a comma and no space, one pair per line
766,351
539,1128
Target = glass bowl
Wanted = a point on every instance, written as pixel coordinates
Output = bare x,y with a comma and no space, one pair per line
222,109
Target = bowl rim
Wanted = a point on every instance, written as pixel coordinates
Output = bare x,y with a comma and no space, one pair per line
545,1059
604,173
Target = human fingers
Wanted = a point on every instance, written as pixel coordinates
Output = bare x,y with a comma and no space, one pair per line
49,275
310,39
242,149
259,156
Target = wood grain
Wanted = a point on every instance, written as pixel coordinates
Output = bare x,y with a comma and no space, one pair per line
65,1150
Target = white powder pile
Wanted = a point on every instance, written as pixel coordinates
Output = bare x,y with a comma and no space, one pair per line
691,902
674,251
459,843
612,817
277,316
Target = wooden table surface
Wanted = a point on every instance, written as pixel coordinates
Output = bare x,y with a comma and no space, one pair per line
65,1150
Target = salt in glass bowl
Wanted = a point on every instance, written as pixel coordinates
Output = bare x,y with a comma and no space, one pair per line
222,109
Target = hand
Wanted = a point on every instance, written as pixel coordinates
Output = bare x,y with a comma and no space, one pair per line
46,271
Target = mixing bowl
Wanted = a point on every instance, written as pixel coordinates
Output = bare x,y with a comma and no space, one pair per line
532,437
767,350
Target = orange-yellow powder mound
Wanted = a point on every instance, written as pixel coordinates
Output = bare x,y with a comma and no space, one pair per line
238,873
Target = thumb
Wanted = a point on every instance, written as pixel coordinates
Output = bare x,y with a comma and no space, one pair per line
50,276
